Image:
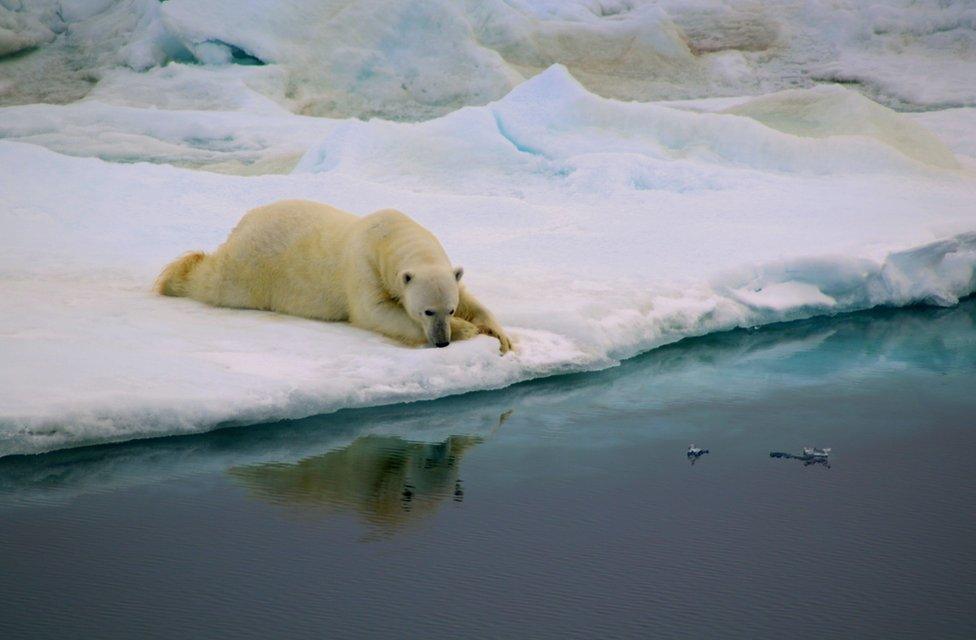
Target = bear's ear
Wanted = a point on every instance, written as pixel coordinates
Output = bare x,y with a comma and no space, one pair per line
406,276
458,272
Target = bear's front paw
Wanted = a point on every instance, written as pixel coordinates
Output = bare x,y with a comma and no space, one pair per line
493,330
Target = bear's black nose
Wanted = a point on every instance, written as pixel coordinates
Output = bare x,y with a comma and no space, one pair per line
440,345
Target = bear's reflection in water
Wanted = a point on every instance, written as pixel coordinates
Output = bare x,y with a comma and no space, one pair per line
386,479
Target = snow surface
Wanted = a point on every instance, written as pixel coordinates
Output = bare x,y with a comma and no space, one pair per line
595,230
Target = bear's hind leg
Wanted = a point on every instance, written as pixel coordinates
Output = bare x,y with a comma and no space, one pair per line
175,278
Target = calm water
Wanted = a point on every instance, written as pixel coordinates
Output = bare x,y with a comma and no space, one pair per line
563,508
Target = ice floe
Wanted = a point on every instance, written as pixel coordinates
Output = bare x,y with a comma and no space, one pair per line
595,229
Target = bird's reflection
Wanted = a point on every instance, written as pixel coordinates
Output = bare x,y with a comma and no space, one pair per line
386,479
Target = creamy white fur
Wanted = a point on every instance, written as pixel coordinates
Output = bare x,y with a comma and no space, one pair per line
382,272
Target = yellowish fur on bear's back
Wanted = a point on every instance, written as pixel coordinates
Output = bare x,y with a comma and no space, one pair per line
284,257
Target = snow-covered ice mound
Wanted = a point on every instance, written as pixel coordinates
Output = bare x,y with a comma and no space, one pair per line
551,126
244,142
415,60
594,229
240,131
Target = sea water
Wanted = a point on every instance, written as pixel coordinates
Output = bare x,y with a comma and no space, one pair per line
559,508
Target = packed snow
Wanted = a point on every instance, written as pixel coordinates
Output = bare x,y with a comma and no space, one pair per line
738,191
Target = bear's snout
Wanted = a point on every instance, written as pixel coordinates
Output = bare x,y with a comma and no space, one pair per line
439,333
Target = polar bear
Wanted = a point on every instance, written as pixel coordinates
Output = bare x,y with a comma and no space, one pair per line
382,272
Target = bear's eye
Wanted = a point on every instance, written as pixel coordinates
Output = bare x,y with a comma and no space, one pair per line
451,312
429,312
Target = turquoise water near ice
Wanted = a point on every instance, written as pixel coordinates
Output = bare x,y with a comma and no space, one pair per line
557,508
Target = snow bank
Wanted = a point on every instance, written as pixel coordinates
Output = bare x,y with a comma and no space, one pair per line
24,27
188,115
237,130
417,60
918,53
955,127
77,41
594,229
232,142
388,58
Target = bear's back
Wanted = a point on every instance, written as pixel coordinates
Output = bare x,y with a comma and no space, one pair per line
285,222
395,236
286,257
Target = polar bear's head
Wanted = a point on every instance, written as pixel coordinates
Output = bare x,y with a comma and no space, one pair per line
430,297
